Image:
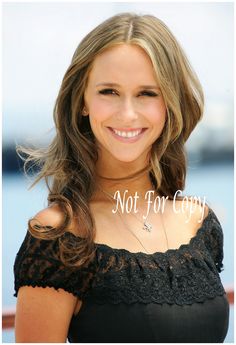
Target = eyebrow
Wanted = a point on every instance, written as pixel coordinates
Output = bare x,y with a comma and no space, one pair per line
117,85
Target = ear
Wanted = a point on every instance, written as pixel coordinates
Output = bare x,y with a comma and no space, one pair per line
85,112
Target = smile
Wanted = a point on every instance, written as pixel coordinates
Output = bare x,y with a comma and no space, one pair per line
129,135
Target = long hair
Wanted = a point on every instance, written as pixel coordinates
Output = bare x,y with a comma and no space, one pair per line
68,164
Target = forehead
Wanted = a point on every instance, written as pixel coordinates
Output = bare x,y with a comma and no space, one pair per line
121,64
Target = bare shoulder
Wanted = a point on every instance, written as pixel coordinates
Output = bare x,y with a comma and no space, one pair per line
190,212
53,216
50,216
192,206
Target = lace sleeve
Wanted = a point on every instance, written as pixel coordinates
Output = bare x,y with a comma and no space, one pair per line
37,263
215,241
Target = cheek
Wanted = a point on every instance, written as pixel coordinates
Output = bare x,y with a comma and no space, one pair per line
156,114
99,110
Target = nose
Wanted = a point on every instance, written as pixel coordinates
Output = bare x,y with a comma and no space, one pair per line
127,110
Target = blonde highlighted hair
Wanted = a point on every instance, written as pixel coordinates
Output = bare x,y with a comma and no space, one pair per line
68,164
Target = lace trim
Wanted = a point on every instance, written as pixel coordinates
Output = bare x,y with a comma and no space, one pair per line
184,275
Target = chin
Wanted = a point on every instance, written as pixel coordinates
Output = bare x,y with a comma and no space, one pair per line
127,158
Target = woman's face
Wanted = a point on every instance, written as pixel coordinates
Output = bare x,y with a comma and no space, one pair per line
125,106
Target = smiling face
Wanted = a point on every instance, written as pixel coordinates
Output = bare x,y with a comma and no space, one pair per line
126,109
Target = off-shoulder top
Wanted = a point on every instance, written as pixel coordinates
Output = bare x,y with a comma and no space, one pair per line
173,296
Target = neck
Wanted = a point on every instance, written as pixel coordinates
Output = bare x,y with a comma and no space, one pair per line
138,183
125,177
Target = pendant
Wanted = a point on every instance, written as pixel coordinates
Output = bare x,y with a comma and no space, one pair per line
147,226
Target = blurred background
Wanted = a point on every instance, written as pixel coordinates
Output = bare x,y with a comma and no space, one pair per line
38,43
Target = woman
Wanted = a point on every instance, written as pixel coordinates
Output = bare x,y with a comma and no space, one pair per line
118,255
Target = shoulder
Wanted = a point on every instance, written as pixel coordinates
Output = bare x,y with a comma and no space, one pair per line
190,212
43,237
52,217
190,208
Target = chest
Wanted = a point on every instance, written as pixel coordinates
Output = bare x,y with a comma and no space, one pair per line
141,232
151,322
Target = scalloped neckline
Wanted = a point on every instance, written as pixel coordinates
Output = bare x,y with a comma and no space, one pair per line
168,251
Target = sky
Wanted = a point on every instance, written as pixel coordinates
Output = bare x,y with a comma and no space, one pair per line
39,39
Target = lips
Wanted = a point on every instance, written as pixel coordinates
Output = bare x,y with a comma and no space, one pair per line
127,134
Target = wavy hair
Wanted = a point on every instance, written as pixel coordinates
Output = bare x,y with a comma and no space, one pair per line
68,164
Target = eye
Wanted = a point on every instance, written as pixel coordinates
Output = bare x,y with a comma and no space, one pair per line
108,92
148,93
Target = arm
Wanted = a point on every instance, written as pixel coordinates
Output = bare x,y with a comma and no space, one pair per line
43,315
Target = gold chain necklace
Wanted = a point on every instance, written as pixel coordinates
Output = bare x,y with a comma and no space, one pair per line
111,199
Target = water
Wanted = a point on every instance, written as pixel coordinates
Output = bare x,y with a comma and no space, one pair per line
213,181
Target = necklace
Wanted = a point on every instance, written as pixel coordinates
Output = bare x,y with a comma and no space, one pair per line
147,226
134,176
128,228
110,197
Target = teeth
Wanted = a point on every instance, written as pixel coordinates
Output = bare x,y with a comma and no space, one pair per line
129,134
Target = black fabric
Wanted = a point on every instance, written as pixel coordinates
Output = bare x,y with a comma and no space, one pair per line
151,322
175,296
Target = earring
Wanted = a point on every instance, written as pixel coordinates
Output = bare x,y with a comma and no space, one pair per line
84,112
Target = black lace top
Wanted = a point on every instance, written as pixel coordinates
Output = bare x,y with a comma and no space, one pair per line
172,296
